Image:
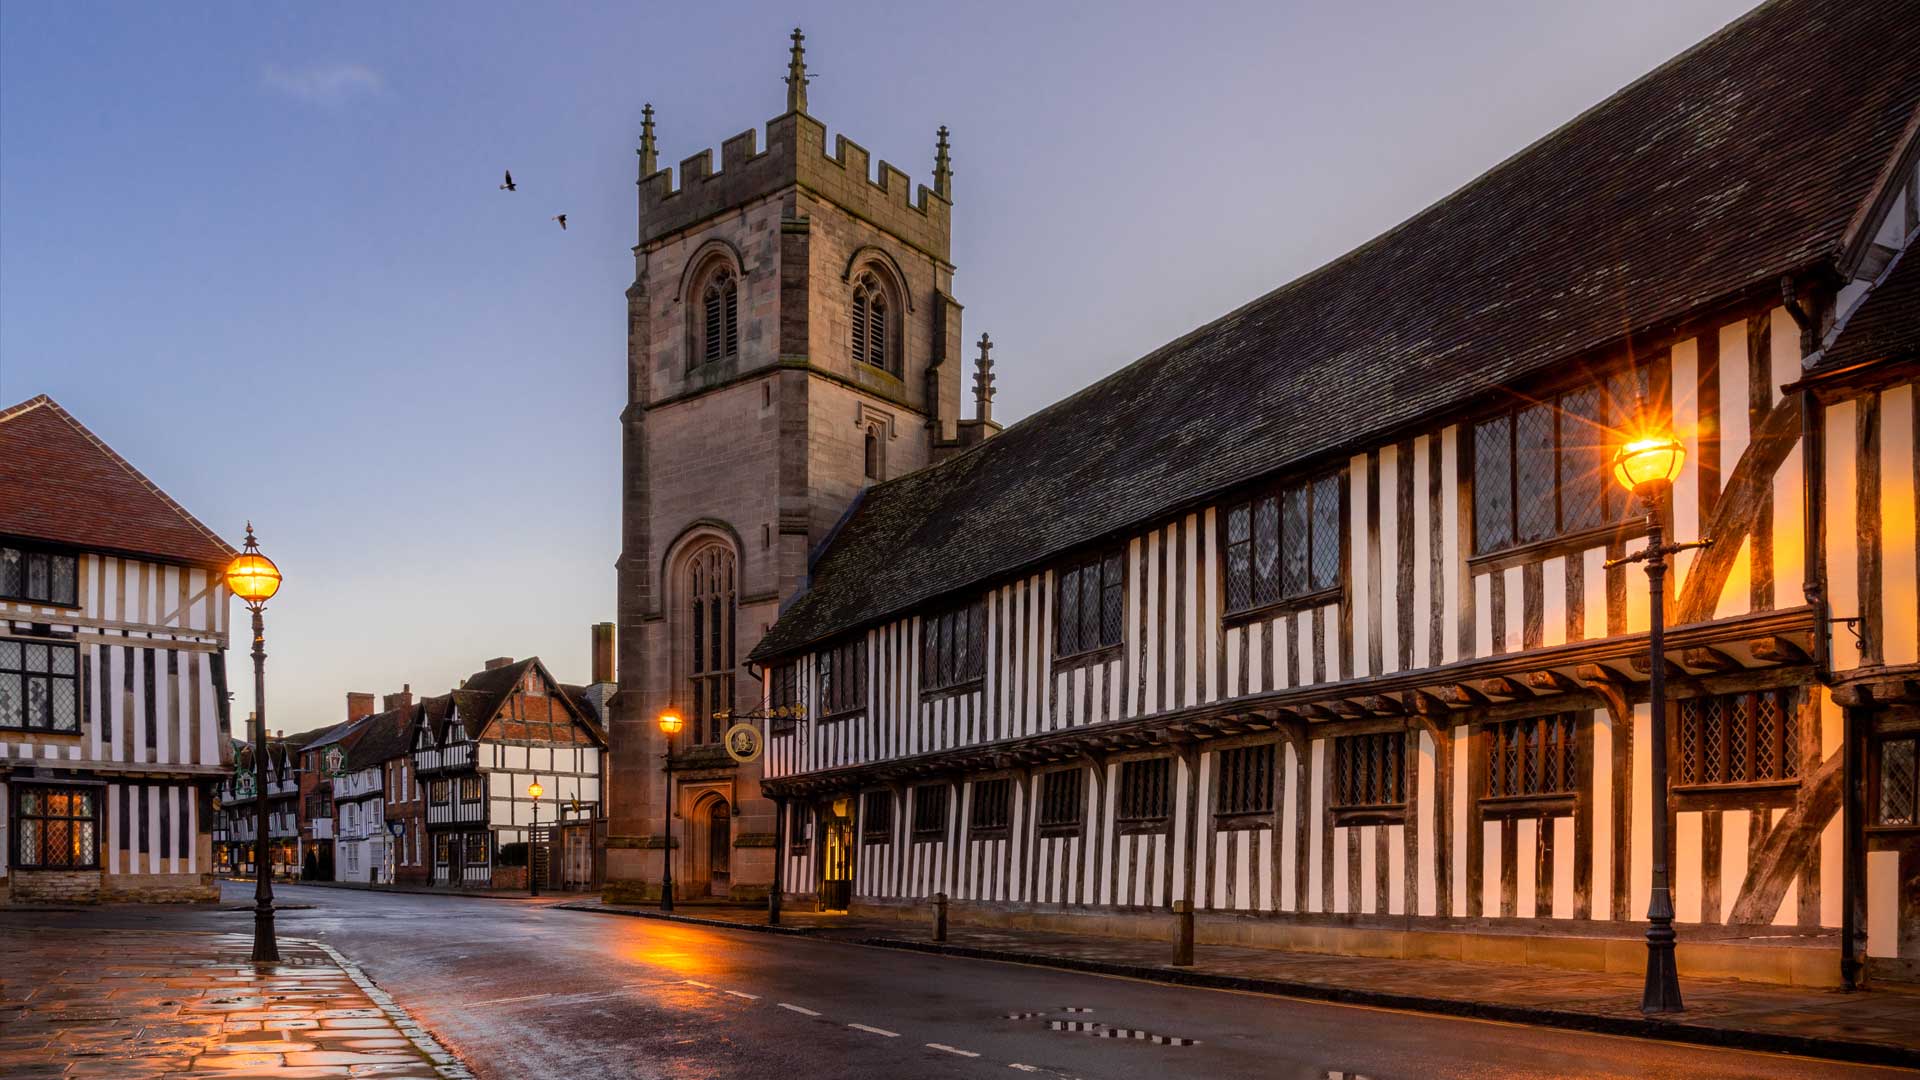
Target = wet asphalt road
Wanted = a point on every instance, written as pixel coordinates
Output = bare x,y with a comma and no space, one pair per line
522,990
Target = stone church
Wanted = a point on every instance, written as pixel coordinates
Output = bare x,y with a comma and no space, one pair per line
793,338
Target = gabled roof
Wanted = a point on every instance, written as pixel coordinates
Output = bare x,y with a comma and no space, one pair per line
63,485
1886,325
386,735
1742,160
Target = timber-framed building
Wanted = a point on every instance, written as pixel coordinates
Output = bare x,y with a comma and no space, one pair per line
1306,617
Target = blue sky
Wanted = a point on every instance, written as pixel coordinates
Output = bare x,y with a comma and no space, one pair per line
261,251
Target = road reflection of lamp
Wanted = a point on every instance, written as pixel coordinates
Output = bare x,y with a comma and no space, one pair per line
254,579
533,841
669,726
1648,466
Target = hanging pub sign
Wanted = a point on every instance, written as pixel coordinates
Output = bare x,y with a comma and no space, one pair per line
744,743
243,785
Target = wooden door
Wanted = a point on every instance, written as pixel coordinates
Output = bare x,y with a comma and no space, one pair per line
836,861
719,846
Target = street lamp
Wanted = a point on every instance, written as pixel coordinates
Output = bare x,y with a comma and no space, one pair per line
669,726
254,579
1647,467
533,838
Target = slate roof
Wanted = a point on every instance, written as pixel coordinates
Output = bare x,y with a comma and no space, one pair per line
1886,325
387,735
60,483
1742,159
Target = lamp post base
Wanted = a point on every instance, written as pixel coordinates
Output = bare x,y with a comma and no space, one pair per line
1662,992
265,949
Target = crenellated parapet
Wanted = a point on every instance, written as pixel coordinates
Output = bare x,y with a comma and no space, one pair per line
795,155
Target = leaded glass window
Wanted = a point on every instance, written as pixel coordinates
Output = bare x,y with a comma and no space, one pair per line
1541,470
1088,605
876,817
39,576
953,647
930,812
1146,790
709,578
1245,781
39,685
1370,770
1899,795
1283,545
991,808
1534,756
56,827
1750,738
1062,802
843,677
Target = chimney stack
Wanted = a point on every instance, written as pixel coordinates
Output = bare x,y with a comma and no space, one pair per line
499,662
603,653
401,700
359,705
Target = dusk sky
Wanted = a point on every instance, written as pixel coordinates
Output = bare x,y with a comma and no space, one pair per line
260,249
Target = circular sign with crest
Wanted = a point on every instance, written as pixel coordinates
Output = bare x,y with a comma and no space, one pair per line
744,743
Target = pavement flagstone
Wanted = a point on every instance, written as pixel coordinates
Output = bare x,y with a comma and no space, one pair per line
134,1004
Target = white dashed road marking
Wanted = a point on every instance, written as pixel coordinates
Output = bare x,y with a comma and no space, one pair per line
944,1048
1024,1068
701,985
505,1000
798,1009
875,1030
742,994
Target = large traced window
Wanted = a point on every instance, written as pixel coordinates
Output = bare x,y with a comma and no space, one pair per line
1370,770
1535,756
953,647
991,809
1540,471
930,812
1284,544
39,685
39,576
710,639
1087,605
876,817
1245,783
56,827
1063,805
872,322
1146,791
720,317
1750,738
1896,768
843,677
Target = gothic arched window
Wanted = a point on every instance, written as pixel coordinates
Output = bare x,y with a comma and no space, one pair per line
709,584
876,454
720,323
871,323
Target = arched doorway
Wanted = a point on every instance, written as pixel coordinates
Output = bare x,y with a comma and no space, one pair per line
719,847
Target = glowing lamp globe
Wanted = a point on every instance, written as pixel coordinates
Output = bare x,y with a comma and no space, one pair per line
670,722
251,575
1647,464
534,789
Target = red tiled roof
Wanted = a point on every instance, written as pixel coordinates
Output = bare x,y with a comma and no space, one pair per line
60,483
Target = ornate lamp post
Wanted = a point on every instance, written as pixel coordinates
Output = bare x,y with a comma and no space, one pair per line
1648,467
254,579
533,841
669,726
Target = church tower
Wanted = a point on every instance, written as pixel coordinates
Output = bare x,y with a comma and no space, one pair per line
792,338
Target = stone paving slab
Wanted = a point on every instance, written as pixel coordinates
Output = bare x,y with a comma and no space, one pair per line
135,1004
1880,1026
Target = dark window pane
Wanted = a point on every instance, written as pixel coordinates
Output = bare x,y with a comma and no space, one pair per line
1297,541
1897,782
1112,600
1266,550
65,574
1583,464
1068,626
13,572
1493,484
1533,473
13,700
1326,532
37,575
1239,575
1090,606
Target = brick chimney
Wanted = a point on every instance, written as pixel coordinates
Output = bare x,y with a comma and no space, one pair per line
499,662
401,700
603,653
359,705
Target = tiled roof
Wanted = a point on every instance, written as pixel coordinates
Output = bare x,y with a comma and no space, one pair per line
1886,325
1740,161
60,483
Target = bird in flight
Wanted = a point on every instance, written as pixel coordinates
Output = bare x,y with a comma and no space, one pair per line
562,219
509,185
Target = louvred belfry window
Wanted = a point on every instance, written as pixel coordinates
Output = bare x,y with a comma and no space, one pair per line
1087,611
1751,738
1283,545
710,640
871,325
720,330
1541,470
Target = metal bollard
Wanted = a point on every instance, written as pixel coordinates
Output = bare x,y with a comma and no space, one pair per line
1182,933
939,916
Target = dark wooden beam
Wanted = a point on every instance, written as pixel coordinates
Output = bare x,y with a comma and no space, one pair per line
1747,487
1777,650
1551,682
1502,687
1709,658
1462,695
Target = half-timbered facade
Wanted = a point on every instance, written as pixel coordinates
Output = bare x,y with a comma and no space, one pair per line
364,850
1308,617
476,752
237,822
113,696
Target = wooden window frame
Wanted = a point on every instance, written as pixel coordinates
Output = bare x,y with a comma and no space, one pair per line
882,831
1549,744
783,692
1876,780
834,685
799,828
1111,589
20,672
18,831
1383,797
443,849
16,574
938,800
1712,765
1312,592
1144,803
479,787
944,669
467,842
440,791
1062,812
1244,786
990,808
